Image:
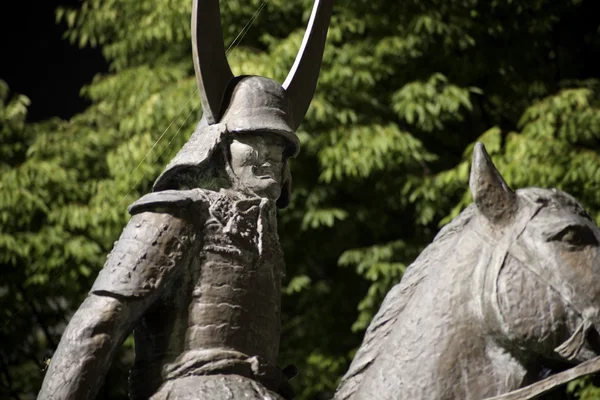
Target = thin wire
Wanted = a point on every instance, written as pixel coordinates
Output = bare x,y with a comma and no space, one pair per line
163,134
155,160
173,138
247,26
233,45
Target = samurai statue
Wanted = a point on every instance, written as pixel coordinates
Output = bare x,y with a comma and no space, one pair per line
196,273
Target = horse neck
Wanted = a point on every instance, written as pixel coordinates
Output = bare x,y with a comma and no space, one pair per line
444,330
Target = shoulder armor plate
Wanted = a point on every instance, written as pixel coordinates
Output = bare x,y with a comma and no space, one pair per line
170,199
151,249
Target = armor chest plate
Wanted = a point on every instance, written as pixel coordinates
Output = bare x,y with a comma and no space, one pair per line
226,300
237,282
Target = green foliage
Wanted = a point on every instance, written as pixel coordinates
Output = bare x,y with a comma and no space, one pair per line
582,389
406,88
427,105
375,264
13,139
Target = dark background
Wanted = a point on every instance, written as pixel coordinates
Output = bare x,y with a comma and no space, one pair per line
36,61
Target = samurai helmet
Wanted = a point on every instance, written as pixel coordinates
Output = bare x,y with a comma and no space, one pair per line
247,104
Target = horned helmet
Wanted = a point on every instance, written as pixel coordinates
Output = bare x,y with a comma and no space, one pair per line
246,104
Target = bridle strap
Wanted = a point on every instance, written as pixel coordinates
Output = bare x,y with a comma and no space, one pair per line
546,385
489,292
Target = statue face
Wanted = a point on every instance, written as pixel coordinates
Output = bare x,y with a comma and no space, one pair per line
257,161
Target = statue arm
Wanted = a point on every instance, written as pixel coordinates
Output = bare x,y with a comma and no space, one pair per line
88,346
152,248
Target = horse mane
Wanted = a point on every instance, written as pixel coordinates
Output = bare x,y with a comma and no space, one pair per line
396,300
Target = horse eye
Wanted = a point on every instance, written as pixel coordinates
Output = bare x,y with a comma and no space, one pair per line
577,235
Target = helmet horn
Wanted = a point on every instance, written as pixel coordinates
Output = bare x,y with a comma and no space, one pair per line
213,73
301,82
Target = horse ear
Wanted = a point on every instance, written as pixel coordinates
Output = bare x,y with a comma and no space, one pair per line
491,194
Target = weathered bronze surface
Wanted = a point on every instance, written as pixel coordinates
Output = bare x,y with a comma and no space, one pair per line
196,273
507,293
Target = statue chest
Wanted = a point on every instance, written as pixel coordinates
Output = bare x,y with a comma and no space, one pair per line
236,278
241,236
225,299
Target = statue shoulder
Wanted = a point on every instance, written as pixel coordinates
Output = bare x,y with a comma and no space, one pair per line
169,200
152,248
155,243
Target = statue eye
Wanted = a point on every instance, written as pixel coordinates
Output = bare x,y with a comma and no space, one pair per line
576,235
274,157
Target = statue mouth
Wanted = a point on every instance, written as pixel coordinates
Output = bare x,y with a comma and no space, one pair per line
264,172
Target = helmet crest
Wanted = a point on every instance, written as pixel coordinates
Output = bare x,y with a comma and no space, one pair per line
214,76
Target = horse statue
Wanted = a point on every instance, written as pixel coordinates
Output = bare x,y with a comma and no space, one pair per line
507,294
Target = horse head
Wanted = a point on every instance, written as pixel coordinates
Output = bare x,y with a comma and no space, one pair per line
508,292
541,291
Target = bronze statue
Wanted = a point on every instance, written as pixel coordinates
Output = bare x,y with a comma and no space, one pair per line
507,293
196,273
